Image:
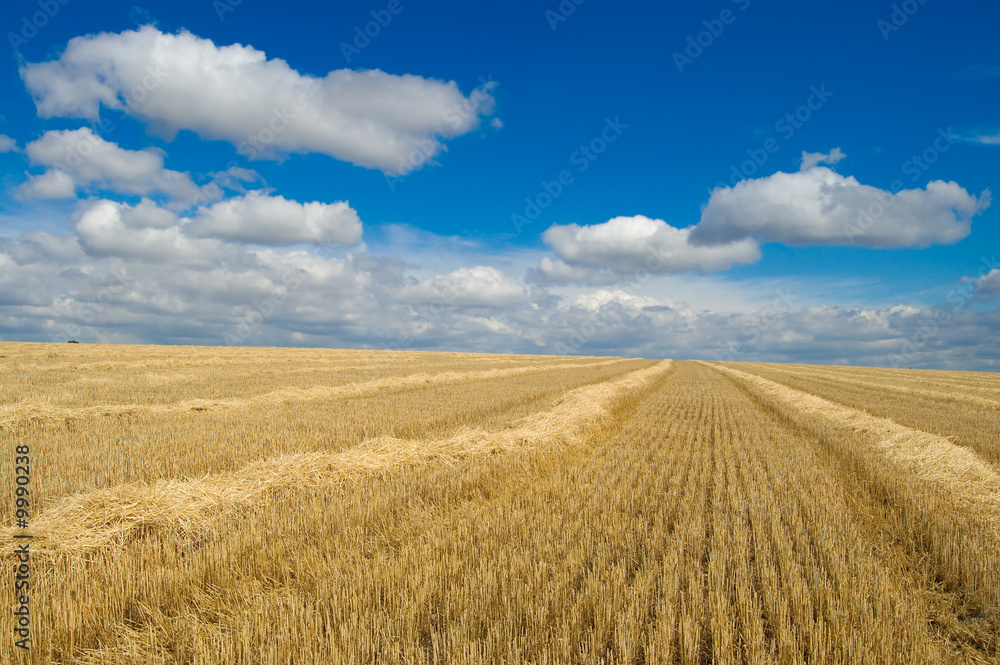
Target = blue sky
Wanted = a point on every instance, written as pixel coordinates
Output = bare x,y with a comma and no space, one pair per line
701,172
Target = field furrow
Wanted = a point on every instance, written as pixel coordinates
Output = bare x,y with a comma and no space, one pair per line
149,447
39,411
970,420
985,383
920,383
522,511
85,375
954,470
929,506
95,519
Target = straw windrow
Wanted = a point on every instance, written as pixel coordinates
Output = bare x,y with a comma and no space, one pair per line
100,518
592,515
971,481
950,393
39,411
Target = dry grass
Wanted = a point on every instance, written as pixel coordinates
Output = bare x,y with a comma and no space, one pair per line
955,470
632,512
953,381
932,505
967,416
40,411
110,517
88,454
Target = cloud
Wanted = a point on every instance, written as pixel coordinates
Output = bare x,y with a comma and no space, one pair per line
627,244
598,300
54,184
234,177
811,159
815,206
79,159
144,231
989,139
989,284
266,108
480,286
274,220
552,272
152,233
52,290
7,144
820,207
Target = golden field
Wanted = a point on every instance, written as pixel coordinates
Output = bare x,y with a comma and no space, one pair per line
237,505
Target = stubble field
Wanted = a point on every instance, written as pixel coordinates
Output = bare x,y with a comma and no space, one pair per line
216,505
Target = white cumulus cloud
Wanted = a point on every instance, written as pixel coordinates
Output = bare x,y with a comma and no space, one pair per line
556,271
53,184
480,286
263,106
821,207
51,289
275,220
811,159
627,244
144,231
7,144
77,159
149,232
989,284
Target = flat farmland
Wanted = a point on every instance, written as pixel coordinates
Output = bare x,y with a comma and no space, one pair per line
235,505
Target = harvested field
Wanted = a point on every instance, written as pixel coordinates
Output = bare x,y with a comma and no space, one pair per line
440,508
963,406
